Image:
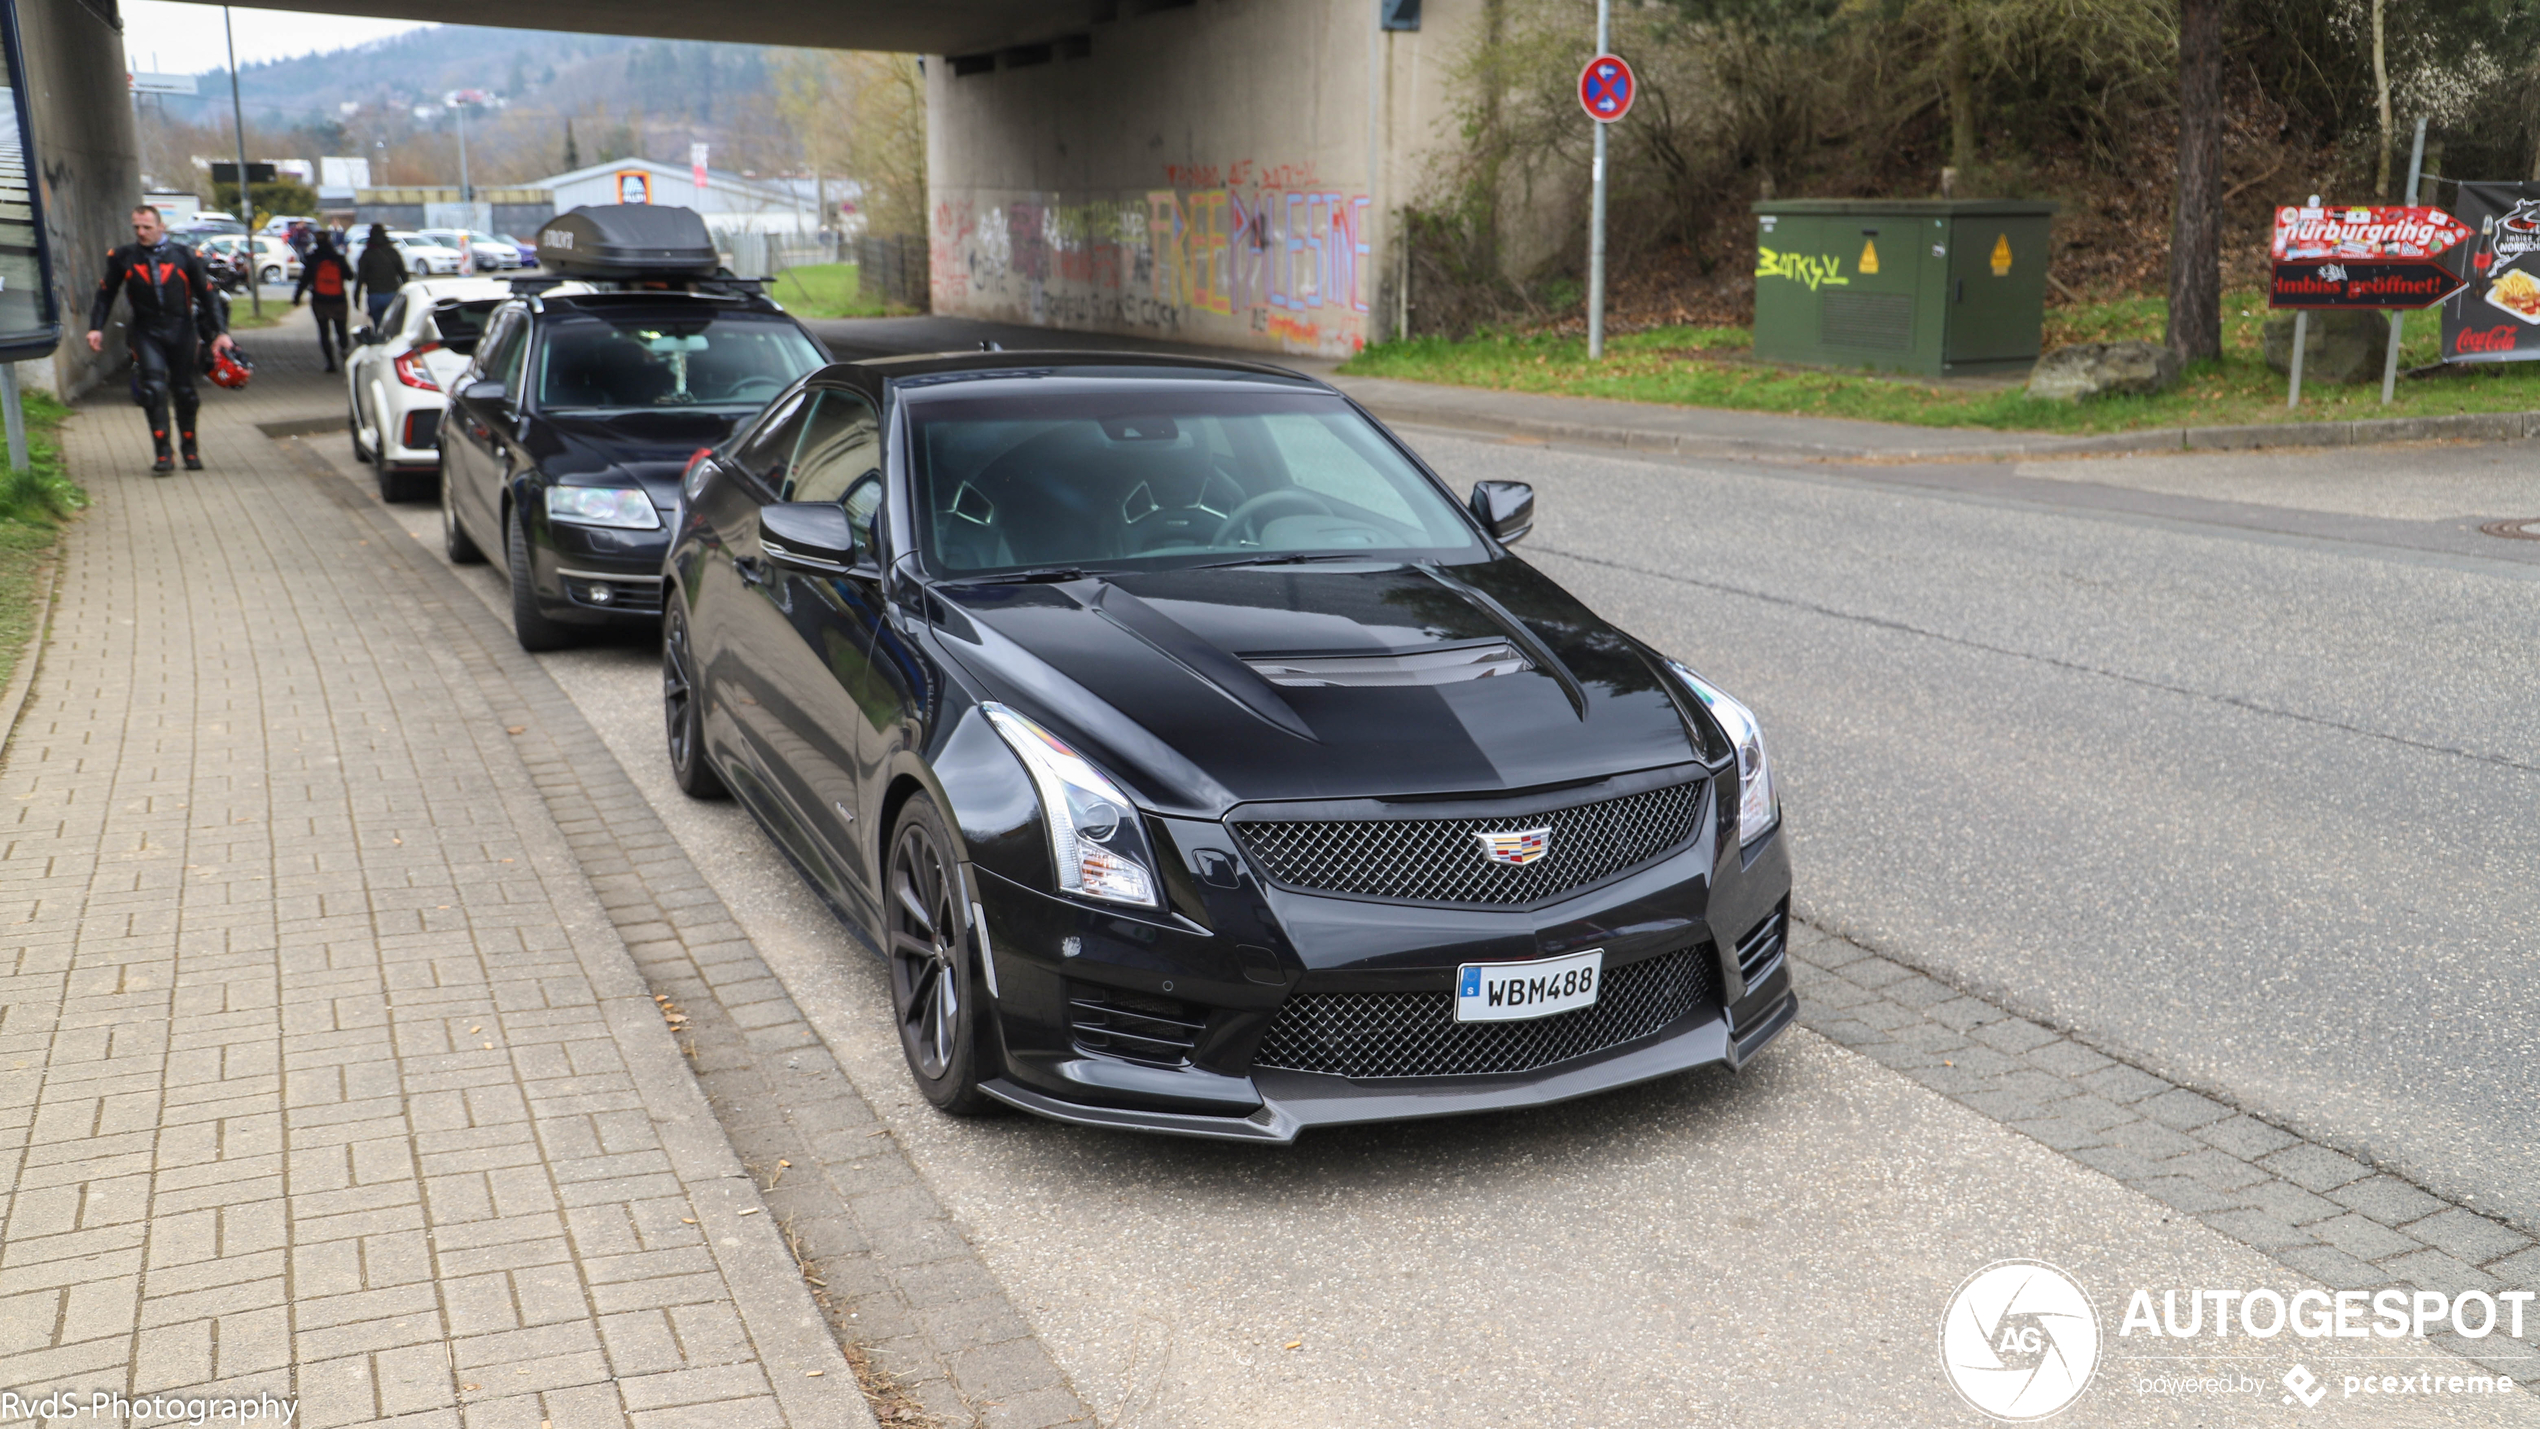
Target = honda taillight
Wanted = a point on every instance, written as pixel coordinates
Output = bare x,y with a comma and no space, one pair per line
412,372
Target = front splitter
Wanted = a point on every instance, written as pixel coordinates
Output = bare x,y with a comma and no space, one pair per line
1294,1101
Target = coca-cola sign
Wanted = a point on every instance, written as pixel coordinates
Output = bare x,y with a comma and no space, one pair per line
2496,316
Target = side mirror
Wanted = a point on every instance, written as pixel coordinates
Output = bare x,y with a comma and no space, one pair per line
1506,509
490,393
366,334
812,536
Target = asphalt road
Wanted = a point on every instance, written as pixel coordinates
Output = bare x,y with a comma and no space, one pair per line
2250,806
1770,1248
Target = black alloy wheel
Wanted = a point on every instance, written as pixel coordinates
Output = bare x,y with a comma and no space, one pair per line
933,985
456,543
353,424
683,712
530,625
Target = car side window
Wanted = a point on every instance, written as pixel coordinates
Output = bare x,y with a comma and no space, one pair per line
767,454
515,351
394,320
841,443
491,353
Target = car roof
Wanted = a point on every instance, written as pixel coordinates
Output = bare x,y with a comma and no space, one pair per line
1090,363
464,289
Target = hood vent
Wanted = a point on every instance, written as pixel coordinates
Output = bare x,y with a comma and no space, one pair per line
1422,667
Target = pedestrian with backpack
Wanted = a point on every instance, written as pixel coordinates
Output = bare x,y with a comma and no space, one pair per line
382,271
327,281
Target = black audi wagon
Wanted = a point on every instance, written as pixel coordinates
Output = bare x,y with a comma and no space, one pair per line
564,442
1199,763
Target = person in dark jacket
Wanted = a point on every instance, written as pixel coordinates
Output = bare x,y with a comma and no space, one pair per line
327,281
173,309
383,271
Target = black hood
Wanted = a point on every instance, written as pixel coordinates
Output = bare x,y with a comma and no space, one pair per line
1147,667
648,449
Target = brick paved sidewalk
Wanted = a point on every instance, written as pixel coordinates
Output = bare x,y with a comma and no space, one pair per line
323,1073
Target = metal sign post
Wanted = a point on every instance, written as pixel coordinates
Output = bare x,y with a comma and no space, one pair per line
2398,317
1606,90
16,416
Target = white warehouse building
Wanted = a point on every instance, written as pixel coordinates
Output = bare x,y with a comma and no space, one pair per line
728,202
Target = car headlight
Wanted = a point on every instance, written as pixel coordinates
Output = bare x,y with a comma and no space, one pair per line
1757,809
622,506
1097,842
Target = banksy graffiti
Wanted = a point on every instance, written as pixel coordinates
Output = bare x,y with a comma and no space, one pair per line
1240,250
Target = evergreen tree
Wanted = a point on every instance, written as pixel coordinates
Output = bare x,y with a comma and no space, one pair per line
572,155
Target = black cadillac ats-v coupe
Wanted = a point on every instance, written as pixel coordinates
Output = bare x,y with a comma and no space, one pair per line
1199,763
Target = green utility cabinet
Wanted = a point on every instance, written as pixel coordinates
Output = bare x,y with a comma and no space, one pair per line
1942,287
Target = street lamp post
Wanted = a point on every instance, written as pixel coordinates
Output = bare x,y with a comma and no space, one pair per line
246,207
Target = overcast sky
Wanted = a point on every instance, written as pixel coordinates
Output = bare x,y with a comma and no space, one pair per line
186,38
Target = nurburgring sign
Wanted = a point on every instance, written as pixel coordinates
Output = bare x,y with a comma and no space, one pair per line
2381,256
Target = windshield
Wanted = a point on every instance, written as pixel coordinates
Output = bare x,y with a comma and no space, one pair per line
1155,477
591,362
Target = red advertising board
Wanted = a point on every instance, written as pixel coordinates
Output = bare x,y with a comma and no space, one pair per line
2377,233
2377,256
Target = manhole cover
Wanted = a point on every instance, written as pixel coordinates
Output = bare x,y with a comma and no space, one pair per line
2522,529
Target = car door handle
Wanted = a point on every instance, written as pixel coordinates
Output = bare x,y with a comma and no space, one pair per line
750,569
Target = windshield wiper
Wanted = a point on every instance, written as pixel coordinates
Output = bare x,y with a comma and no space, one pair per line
1293,558
1038,575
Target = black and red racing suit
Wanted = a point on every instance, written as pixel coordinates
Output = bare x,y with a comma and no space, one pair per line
173,309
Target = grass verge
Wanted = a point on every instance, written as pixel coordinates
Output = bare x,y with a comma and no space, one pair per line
1714,367
827,290
33,504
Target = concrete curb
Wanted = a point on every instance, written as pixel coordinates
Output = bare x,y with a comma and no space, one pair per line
1641,426
22,679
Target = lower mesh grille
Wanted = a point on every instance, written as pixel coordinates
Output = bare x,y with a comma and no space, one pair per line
1135,1025
1415,1034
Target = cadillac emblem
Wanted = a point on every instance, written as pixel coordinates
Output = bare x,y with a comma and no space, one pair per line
1516,847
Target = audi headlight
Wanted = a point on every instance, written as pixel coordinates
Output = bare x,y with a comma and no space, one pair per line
1757,808
1097,843
626,507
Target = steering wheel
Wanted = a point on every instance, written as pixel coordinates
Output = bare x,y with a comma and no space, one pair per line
1244,516
753,389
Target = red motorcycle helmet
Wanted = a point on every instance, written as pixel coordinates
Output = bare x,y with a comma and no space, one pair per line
230,368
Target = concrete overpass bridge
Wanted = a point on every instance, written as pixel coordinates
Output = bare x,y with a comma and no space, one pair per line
1215,171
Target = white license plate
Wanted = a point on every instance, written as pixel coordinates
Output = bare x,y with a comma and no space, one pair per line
1506,992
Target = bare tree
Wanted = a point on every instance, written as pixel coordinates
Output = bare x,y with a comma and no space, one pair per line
2195,320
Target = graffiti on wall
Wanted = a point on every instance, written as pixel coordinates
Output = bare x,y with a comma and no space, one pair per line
1240,251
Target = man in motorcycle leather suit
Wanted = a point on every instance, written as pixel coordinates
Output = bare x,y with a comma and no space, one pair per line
173,308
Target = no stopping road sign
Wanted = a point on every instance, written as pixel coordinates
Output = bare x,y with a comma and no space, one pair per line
1607,88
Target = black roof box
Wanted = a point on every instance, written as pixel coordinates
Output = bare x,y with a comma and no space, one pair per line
628,240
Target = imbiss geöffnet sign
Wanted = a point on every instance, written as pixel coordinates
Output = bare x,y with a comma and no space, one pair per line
2384,256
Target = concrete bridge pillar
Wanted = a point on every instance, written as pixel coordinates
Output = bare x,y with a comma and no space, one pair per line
1227,172
80,106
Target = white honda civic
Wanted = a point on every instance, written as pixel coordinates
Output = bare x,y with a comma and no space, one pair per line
398,378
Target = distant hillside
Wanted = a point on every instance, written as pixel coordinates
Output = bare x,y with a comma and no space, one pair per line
623,97
675,79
